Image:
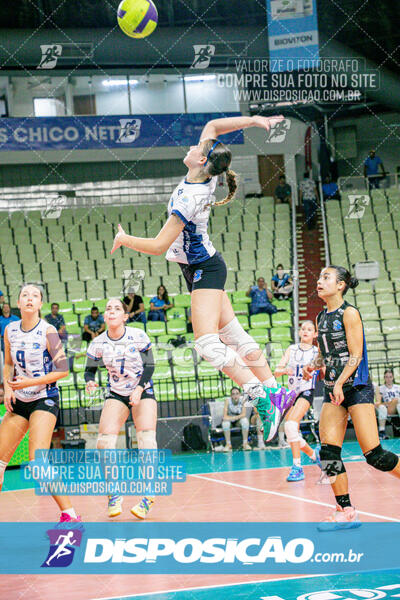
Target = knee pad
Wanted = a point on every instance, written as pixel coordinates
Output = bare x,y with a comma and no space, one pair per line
381,459
292,432
244,423
106,441
226,425
234,336
382,412
210,347
3,466
146,439
331,460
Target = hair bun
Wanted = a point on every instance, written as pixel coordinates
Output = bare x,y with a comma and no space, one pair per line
353,283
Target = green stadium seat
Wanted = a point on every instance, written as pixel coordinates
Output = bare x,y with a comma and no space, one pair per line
155,328
241,308
372,328
187,389
164,391
390,326
176,312
204,369
281,318
187,370
160,355
70,401
162,372
283,304
280,334
244,321
67,381
74,328
79,363
369,313
182,300
240,297
259,334
261,320
80,379
211,388
136,325
388,311
385,299
176,326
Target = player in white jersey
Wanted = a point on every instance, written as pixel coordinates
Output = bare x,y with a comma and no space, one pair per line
127,355
389,403
33,361
220,339
291,364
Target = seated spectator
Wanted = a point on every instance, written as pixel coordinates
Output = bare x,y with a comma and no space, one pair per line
134,306
281,283
5,319
330,189
235,414
54,318
159,305
390,402
260,298
93,325
283,191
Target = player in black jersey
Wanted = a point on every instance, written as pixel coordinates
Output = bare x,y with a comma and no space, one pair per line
348,390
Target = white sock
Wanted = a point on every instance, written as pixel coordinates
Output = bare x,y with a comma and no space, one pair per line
260,439
270,382
297,462
254,389
313,457
70,511
281,435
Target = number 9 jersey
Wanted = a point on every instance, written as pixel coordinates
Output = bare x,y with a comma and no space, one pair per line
31,358
122,358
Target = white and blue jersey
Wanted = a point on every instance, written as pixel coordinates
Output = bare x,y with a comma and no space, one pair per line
299,358
31,358
122,358
189,202
389,393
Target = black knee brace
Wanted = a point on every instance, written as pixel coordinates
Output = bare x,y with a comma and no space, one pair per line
331,460
381,459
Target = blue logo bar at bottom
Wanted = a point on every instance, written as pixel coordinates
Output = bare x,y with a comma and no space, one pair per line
176,548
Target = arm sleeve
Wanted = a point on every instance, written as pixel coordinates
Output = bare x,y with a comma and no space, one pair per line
90,370
148,367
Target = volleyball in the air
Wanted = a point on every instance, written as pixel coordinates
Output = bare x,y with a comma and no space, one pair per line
137,18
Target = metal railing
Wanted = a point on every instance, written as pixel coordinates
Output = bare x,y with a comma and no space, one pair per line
356,183
295,273
324,225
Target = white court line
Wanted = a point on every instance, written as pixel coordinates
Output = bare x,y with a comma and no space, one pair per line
212,587
282,495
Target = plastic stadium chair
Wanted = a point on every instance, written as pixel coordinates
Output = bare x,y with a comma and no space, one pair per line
260,320
187,389
240,308
164,391
155,328
211,388
176,313
260,335
136,325
83,307
372,327
79,363
160,355
187,370
181,300
281,334
204,369
281,318
67,381
240,296
176,326
391,326
244,321
162,372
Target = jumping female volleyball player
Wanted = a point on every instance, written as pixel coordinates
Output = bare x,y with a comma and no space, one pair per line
220,339
348,390
291,364
33,351
127,355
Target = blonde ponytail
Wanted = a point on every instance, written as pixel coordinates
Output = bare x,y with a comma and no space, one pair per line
232,183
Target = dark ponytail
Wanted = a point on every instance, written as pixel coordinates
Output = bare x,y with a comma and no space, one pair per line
218,160
343,274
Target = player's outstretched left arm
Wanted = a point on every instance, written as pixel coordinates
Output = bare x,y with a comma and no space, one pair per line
156,246
217,127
